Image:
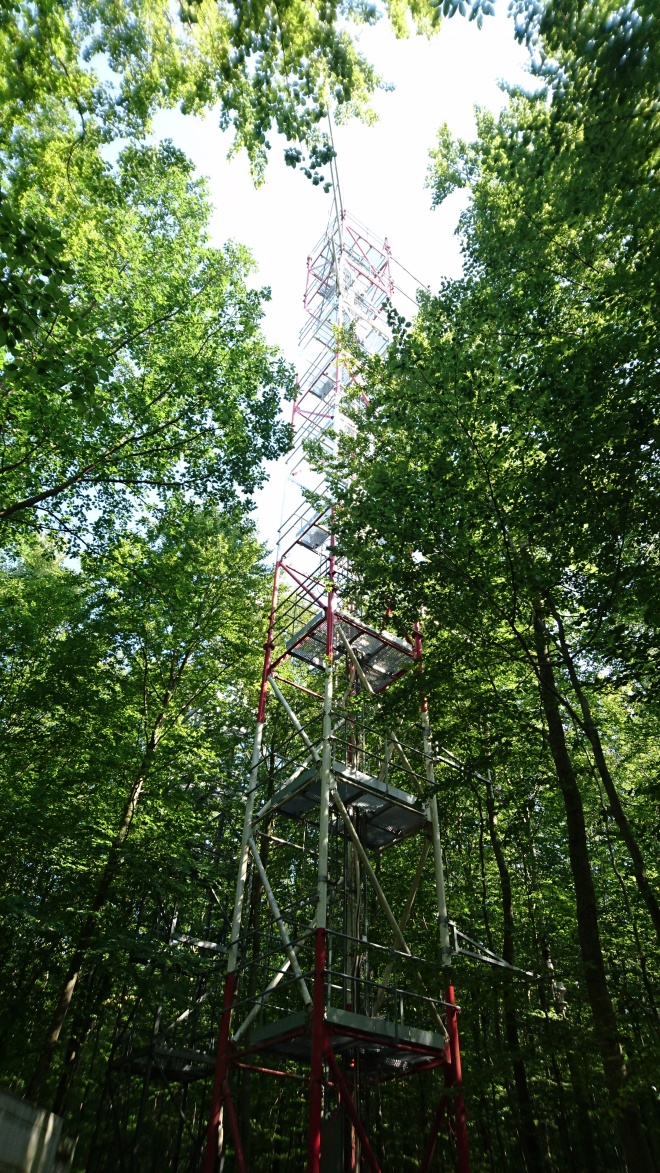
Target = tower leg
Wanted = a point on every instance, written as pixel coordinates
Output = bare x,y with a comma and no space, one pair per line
220,1078
318,1046
318,999
429,1151
345,1093
221,1092
460,1120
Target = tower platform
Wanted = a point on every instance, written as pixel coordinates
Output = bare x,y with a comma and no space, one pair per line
389,814
384,1045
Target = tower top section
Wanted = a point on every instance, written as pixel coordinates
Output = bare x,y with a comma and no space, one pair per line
349,284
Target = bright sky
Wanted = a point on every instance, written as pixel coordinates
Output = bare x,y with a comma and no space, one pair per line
382,171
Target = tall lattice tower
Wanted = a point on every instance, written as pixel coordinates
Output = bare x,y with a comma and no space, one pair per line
340,800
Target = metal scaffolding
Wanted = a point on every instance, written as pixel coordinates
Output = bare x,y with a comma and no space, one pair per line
321,985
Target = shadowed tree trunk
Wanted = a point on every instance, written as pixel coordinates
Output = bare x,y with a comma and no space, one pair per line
625,1108
529,1136
83,1022
88,932
618,813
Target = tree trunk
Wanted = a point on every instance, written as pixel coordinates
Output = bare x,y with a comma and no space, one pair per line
625,1108
618,813
484,890
83,1022
33,1090
529,1136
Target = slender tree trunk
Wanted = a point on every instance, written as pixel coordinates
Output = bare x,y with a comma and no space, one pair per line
33,1090
484,889
586,1155
625,1108
528,1131
641,955
83,1022
627,834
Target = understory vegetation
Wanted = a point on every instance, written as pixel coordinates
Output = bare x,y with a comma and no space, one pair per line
502,485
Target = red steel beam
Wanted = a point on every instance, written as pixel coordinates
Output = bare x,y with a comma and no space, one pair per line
269,1071
220,1077
460,1119
433,1135
316,1073
235,1132
345,1094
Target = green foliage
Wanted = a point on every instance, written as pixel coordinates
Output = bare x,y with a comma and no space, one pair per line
142,662
263,66
503,477
503,480
133,355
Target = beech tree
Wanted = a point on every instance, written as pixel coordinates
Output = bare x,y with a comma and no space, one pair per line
264,66
139,364
501,486
129,348
502,482
120,704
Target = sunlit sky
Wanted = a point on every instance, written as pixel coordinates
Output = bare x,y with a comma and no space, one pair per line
382,170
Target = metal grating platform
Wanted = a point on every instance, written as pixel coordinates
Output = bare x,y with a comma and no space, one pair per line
390,814
314,535
168,1064
385,1044
383,656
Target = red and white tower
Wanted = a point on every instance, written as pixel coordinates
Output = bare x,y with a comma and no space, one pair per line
340,801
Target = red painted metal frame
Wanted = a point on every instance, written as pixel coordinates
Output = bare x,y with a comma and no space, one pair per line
460,1121
234,1129
438,1058
346,1097
318,1040
267,1070
452,1097
451,1102
300,687
353,1032
293,574
433,1135
218,1094
285,1037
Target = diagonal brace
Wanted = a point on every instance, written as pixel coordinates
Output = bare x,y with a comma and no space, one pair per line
281,927
345,1095
294,720
355,662
410,899
350,651
263,998
382,900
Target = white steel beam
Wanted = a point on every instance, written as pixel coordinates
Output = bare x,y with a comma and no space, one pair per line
232,958
294,720
265,995
407,909
382,900
279,921
441,897
263,998
324,803
354,661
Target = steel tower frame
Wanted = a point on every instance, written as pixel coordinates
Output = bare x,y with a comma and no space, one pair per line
330,981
